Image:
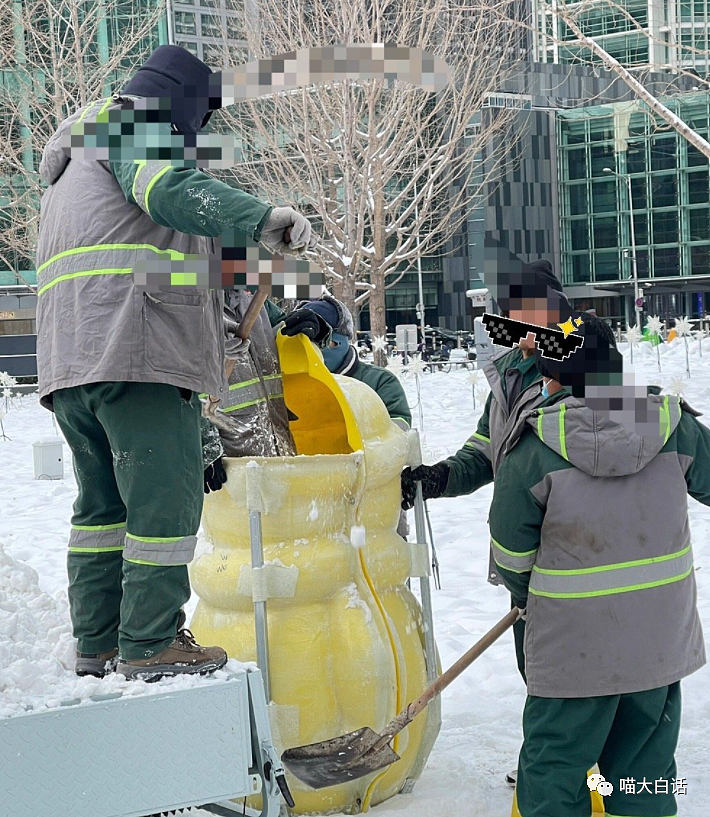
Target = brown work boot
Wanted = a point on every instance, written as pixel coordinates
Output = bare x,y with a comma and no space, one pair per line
184,656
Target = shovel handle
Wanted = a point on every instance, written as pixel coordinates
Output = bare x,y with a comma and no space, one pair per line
250,316
407,715
243,331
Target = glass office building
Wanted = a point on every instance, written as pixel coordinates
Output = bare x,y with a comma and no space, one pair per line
670,203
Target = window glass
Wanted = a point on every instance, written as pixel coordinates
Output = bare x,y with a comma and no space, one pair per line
605,234
699,223
578,204
664,190
700,260
606,266
185,23
580,268
663,153
576,163
579,235
665,227
604,197
666,262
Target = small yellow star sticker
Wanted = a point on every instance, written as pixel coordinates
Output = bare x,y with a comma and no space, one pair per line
568,326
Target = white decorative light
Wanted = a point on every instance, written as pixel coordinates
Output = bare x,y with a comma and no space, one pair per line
677,386
379,343
394,365
474,378
655,325
416,366
633,335
683,327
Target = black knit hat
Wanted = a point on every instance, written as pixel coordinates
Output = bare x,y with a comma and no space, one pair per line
597,362
174,73
543,276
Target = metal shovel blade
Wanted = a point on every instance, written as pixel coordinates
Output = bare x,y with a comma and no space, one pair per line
339,760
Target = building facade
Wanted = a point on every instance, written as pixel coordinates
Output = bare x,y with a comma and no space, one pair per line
584,140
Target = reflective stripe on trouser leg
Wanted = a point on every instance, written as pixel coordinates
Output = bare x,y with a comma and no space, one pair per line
97,538
154,550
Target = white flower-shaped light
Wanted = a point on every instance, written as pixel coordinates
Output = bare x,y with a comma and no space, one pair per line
482,393
416,366
6,393
633,336
474,378
699,334
655,325
677,386
379,343
7,380
683,326
394,365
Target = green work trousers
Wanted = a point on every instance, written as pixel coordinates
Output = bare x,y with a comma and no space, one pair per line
632,737
138,465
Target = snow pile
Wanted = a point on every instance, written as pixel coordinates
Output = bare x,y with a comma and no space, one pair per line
37,650
481,732
36,647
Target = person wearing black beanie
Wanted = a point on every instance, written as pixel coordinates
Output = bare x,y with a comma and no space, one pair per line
124,371
174,73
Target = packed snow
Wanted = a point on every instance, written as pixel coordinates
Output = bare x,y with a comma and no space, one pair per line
481,732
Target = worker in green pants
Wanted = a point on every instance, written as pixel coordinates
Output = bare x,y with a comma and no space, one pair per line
598,553
123,368
128,510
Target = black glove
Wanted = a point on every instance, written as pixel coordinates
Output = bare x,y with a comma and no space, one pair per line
432,477
307,322
215,476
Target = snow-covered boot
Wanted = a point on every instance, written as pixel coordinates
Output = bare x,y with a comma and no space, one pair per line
101,664
184,656
98,665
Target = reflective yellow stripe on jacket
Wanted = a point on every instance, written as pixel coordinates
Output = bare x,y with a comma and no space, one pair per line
98,259
623,577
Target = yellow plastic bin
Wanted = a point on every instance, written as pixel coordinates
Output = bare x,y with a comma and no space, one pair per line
346,638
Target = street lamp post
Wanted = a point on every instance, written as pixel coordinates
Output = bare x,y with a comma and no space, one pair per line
634,268
420,279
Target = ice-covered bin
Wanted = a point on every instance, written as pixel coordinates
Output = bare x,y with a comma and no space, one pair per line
346,637
48,459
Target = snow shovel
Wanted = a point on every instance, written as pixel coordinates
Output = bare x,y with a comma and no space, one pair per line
363,752
243,332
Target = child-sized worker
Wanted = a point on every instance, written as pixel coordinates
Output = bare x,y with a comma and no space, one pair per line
589,528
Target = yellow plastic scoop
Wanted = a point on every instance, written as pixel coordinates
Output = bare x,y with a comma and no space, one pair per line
326,423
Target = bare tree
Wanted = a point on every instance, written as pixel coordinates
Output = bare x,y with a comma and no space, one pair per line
56,56
571,19
386,169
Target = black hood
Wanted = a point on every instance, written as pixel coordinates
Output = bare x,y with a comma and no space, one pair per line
174,73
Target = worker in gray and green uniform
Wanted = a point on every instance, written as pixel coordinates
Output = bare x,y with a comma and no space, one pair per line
598,552
341,357
122,369
536,297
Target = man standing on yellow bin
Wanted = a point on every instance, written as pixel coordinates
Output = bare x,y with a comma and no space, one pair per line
122,370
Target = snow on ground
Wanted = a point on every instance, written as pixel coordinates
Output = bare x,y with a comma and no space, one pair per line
481,731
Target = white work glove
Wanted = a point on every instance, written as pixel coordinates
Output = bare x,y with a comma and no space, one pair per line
274,233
